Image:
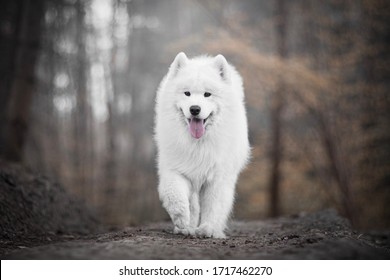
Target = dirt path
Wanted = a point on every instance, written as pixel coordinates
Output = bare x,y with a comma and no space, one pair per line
39,220
322,235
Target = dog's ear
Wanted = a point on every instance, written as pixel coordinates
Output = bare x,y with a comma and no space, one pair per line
222,67
180,61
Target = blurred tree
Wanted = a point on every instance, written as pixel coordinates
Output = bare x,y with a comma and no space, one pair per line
277,105
82,114
21,29
373,160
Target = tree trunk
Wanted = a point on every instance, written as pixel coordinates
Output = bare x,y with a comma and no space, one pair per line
277,106
22,79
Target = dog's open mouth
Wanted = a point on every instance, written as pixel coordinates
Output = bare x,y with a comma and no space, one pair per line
198,120
197,126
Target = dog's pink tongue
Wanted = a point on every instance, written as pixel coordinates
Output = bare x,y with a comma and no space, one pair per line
196,128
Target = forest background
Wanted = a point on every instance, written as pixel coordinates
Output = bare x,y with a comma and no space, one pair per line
78,82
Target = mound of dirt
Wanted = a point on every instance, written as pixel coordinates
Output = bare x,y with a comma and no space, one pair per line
34,209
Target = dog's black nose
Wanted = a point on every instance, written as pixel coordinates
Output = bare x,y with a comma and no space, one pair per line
195,110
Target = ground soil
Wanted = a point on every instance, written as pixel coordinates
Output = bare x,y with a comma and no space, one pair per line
39,220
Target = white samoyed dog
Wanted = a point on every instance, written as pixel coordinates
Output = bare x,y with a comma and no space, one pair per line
202,139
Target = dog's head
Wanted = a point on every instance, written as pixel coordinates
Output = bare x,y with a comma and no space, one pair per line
198,88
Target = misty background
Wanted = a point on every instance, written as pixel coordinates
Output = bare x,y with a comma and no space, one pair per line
78,82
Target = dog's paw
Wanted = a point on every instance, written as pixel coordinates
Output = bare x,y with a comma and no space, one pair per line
206,230
184,231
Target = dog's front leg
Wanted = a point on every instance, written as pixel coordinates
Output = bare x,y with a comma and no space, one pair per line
194,210
174,190
216,203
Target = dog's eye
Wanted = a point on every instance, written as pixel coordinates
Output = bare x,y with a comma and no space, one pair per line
187,93
207,94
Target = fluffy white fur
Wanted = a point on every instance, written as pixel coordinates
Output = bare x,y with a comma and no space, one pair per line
198,176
